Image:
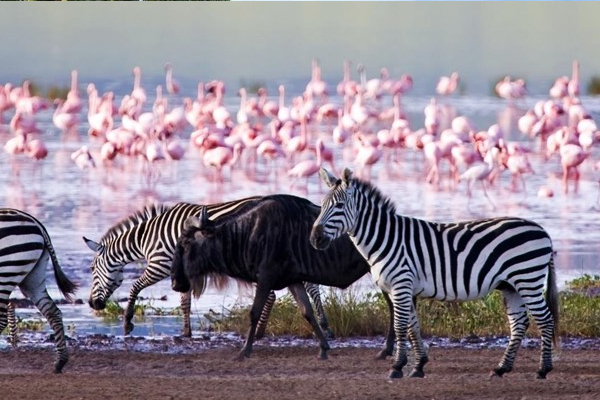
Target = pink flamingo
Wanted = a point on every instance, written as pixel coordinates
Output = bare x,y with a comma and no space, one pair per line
367,155
480,171
17,144
63,119
283,112
571,156
242,115
316,87
83,158
269,108
72,104
220,157
170,83
573,85
307,168
138,93
26,123
447,85
36,149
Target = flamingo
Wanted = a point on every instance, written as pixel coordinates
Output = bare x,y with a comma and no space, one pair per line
367,155
447,85
36,149
480,171
220,157
573,84
138,93
316,87
170,83
571,156
72,104
83,158
307,168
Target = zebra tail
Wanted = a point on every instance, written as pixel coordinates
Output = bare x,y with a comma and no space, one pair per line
552,300
66,286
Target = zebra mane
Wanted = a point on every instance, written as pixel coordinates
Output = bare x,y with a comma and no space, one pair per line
374,194
134,219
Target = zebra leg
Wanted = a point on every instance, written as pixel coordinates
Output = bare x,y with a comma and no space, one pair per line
304,303
12,324
4,304
140,284
414,335
538,307
186,307
388,349
402,303
315,294
264,316
34,287
260,298
519,322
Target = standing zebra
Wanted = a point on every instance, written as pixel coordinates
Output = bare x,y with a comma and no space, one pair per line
412,258
24,251
151,234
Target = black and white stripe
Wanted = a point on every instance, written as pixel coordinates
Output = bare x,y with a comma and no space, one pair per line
412,258
151,234
25,248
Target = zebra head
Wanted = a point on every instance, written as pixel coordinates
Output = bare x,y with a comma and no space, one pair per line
106,277
338,210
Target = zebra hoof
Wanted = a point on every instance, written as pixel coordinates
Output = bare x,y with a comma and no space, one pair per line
541,374
58,367
128,327
415,373
395,374
498,372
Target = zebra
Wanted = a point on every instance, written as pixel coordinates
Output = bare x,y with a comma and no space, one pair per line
151,234
412,258
25,248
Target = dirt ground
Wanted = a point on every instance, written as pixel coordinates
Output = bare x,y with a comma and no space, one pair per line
289,372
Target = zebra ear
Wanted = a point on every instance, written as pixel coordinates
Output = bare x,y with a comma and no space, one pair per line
328,178
347,176
95,247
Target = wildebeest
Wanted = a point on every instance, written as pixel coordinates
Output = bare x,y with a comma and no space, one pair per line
267,243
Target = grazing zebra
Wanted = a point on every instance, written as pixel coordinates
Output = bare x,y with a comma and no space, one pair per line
24,251
151,234
412,258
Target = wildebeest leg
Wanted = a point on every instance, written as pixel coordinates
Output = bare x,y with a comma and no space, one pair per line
264,316
186,306
260,298
388,349
299,293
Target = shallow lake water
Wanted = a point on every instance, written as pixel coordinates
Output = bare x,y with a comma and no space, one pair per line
73,203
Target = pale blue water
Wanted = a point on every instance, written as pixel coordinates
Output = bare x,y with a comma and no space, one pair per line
74,203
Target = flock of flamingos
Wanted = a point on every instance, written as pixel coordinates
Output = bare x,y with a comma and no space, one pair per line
310,130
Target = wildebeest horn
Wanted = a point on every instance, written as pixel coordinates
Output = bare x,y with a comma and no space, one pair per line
192,221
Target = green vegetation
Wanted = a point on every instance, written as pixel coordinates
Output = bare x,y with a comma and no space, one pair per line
350,315
593,87
113,310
